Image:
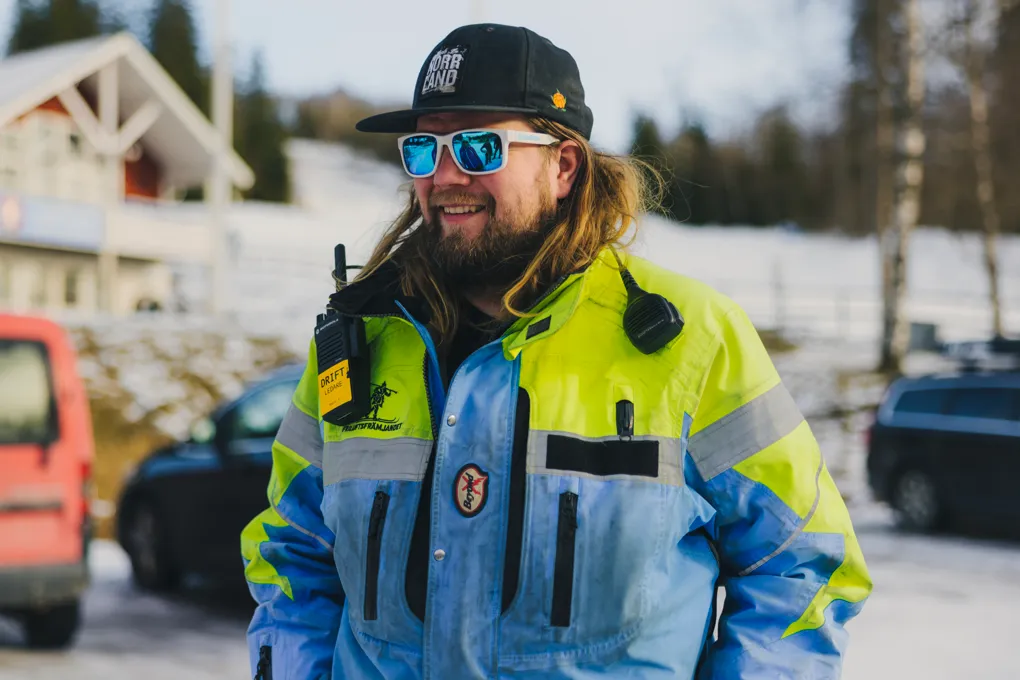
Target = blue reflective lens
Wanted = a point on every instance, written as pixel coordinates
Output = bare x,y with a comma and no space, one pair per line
478,151
420,154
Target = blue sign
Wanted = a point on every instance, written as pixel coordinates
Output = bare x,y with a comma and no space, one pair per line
51,221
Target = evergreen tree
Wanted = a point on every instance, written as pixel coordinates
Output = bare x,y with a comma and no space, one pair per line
42,23
647,146
260,137
783,165
30,29
647,142
696,192
172,41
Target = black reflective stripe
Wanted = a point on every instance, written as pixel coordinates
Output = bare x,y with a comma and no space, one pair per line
563,571
376,522
300,433
538,327
603,458
738,435
670,468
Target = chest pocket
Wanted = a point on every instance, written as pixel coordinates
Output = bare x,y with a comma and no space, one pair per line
606,500
372,474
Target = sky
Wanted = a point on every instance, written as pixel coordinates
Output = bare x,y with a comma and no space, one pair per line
720,62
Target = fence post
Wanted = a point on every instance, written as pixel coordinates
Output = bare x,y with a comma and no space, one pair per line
842,313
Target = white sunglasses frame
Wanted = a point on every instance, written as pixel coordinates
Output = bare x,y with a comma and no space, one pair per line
507,137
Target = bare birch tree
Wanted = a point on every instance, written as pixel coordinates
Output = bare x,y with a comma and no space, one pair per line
906,200
973,63
886,69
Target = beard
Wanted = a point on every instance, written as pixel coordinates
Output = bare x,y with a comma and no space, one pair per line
499,255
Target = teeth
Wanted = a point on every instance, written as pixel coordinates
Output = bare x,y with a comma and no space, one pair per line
462,210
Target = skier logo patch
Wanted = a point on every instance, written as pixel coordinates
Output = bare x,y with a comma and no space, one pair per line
470,490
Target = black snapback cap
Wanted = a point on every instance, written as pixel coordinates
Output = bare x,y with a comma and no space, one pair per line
491,67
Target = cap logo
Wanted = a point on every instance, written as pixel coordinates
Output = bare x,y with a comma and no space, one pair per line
470,490
444,69
559,101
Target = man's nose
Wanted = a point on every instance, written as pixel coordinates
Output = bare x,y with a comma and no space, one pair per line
448,174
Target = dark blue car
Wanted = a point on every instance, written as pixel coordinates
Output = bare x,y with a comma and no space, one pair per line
945,451
182,510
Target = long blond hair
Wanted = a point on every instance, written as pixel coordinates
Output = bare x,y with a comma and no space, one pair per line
608,195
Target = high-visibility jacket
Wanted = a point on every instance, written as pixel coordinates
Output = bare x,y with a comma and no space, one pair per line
629,524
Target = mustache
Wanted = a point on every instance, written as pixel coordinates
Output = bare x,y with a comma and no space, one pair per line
440,198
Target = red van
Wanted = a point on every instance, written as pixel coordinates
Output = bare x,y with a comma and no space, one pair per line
46,453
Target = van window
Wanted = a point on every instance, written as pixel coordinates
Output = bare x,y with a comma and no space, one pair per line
922,401
26,415
995,403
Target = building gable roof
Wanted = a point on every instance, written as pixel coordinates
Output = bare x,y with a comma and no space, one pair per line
182,139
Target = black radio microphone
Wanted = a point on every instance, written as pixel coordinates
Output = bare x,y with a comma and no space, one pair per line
650,320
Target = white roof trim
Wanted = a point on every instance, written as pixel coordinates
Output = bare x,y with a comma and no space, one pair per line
126,46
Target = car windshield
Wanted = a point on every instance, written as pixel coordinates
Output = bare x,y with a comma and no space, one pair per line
25,394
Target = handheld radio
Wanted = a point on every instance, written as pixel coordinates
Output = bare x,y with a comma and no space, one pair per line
342,355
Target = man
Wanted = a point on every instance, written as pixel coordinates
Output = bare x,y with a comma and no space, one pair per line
555,481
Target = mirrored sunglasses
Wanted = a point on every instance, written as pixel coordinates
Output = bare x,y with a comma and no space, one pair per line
476,152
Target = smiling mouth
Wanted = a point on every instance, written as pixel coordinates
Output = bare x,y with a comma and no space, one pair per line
462,209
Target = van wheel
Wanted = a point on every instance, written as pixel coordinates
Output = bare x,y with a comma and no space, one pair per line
916,502
148,548
53,627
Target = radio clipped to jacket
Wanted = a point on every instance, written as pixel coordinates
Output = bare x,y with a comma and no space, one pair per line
342,355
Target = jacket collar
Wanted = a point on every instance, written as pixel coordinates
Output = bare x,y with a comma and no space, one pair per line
378,295
553,310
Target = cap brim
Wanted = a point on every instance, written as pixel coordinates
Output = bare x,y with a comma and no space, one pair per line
407,120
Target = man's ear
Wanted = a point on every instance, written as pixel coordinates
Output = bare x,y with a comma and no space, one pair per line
568,160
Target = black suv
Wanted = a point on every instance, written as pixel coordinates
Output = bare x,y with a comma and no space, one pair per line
945,449
183,508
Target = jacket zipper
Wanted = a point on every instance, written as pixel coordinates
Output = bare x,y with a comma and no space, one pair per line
375,530
264,670
563,572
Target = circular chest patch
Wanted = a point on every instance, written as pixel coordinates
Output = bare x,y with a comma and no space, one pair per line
470,490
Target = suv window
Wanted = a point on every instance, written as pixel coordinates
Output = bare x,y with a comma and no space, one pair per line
922,401
261,413
26,399
995,403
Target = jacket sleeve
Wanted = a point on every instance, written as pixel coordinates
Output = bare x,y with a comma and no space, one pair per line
790,563
288,553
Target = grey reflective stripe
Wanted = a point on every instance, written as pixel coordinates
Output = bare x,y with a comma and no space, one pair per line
737,436
401,458
326,544
670,461
800,527
300,433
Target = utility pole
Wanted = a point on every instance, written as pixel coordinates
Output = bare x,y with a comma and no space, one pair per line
221,187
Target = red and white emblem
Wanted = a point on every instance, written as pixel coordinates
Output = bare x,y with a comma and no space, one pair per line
470,490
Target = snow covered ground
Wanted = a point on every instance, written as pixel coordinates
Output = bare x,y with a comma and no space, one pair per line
942,609
129,635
